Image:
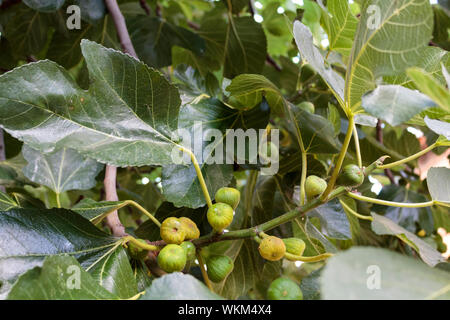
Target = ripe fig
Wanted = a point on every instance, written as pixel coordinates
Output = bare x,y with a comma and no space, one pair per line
190,228
172,231
272,248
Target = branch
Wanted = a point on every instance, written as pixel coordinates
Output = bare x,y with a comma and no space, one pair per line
145,6
273,63
121,27
112,220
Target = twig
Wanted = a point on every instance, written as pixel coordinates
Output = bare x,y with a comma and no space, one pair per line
8,3
112,220
273,63
250,8
379,133
145,6
121,27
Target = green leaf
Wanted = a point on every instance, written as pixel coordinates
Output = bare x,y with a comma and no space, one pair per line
95,211
382,225
59,278
353,274
178,286
91,11
44,5
408,218
242,278
239,44
65,48
438,180
27,236
114,273
340,25
248,90
61,170
428,85
124,119
395,104
374,54
180,182
11,173
310,285
27,31
430,61
153,39
6,202
439,127
317,133
333,220
303,38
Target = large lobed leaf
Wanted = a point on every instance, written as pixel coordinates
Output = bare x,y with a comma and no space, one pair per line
124,119
28,236
374,54
354,274
61,170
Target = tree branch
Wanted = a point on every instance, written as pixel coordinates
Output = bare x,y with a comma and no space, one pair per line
145,6
112,220
121,27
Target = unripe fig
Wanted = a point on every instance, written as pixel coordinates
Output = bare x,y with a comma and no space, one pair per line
172,258
220,216
190,228
219,267
189,248
230,196
272,248
314,186
172,231
307,106
284,289
137,252
294,246
351,176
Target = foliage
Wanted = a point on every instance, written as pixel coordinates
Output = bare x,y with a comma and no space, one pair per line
362,86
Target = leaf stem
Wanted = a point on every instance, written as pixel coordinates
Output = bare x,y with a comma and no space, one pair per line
317,258
203,270
390,203
340,160
410,158
144,211
58,201
139,244
198,170
353,212
357,148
